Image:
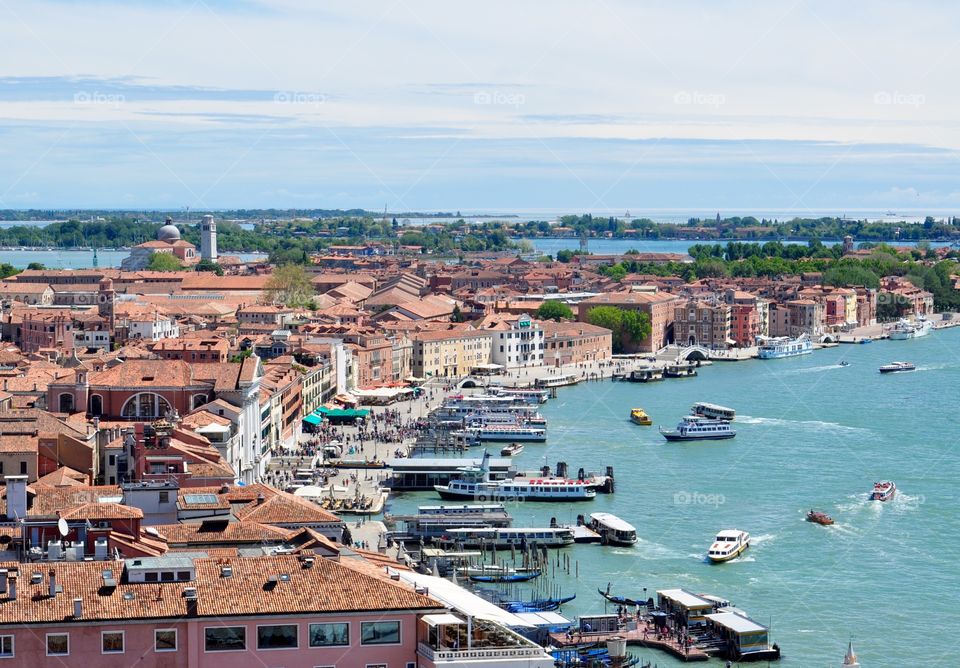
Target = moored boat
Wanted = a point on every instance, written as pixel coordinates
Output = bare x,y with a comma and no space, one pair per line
818,517
896,367
784,346
503,432
884,490
489,578
505,538
475,483
729,544
639,416
695,428
714,411
612,529
511,450
850,658
904,329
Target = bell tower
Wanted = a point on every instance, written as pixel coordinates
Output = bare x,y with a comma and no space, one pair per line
208,239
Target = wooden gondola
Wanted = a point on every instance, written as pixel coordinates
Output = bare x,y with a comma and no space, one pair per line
618,600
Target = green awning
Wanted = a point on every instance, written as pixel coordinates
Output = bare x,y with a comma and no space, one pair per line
315,420
342,413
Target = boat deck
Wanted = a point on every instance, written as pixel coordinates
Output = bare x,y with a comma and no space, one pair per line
584,534
634,637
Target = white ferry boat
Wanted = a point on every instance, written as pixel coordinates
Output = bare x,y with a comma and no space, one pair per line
784,346
612,529
527,395
475,483
713,411
904,329
695,428
504,539
509,433
729,544
557,381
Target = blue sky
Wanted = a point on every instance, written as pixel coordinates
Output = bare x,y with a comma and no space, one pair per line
736,106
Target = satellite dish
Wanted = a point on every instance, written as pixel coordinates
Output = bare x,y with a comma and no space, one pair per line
62,527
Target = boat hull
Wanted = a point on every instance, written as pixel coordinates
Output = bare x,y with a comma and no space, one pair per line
675,437
719,559
482,497
767,355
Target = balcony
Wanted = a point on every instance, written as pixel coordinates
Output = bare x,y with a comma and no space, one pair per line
448,643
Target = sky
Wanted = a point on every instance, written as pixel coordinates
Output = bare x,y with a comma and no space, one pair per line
564,105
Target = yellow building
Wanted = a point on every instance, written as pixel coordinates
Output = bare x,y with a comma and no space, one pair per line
450,353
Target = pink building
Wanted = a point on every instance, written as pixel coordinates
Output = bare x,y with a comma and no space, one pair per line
295,611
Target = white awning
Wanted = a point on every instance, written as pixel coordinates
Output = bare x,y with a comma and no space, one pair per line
736,623
465,601
445,619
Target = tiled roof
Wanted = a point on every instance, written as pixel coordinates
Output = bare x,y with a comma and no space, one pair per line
213,531
326,586
102,511
285,509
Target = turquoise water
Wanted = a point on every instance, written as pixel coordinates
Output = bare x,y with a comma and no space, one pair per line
811,434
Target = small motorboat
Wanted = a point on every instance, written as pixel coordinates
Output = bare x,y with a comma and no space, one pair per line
844,363
895,367
883,490
511,450
818,517
639,416
729,544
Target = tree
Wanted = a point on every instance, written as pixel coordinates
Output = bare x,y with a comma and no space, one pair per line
36,266
457,315
7,269
209,265
163,262
553,309
627,326
288,285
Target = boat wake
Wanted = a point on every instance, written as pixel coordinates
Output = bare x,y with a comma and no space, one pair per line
648,550
802,424
761,539
815,369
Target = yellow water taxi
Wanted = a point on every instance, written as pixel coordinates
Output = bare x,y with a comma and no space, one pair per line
639,416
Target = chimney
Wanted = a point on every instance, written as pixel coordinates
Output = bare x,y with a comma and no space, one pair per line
261,499
12,580
53,583
3,580
77,608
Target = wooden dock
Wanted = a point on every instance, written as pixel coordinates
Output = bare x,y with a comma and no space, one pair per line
634,637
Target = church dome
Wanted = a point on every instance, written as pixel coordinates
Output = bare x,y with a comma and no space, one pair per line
168,232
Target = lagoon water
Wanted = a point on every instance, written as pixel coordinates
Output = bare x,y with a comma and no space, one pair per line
811,434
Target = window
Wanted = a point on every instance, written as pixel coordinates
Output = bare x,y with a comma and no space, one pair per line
23,468
225,638
376,665
165,640
277,636
58,644
329,635
380,633
6,647
113,460
111,642
164,497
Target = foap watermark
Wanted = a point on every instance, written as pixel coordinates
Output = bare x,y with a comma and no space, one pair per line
299,97
898,98
698,499
699,98
499,98
96,97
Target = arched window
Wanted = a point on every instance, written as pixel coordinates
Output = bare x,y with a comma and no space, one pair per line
66,403
96,405
145,405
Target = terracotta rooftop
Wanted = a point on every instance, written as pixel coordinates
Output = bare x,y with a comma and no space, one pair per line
326,586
